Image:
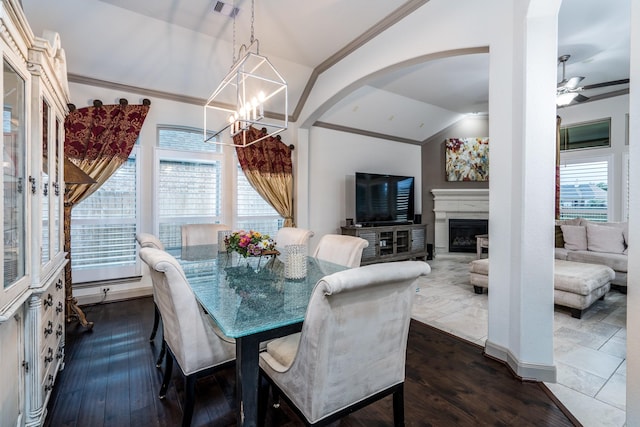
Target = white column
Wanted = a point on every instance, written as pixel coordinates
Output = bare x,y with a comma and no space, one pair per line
633,274
33,369
521,190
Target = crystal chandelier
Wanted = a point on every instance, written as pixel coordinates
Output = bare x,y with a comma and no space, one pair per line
252,88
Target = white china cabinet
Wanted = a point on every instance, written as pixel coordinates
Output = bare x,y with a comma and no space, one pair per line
32,296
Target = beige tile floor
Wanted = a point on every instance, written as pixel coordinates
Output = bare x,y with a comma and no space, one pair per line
589,352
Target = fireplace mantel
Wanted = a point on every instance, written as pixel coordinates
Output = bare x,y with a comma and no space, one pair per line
456,204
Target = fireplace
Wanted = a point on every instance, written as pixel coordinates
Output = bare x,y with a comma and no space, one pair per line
462,233
456,203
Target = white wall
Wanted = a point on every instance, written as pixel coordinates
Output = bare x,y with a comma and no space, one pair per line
334,158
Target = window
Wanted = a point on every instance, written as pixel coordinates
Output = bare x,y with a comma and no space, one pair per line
585,135
189,182
103,228
187,188
190,188
189,193
583,190
254,213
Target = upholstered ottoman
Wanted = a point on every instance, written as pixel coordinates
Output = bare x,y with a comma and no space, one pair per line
577,285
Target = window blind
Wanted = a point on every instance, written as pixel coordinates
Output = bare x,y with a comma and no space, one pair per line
103,226
583,190
188,192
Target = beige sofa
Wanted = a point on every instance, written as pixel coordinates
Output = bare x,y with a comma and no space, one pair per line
591,242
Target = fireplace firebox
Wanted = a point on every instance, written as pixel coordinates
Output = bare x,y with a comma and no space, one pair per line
462,233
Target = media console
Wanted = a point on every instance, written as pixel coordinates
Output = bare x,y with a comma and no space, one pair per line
391,242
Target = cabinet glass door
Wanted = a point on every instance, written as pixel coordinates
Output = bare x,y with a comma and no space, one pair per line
45,182
14,172
386,243
402,241
56,191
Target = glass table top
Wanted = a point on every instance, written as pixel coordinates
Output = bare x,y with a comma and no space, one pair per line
249,295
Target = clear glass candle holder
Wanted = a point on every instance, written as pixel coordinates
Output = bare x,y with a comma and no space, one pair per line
222,235
295,261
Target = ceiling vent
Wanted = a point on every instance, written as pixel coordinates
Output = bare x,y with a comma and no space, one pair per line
226,9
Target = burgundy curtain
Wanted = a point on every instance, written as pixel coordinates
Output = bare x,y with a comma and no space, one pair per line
98,140
268,167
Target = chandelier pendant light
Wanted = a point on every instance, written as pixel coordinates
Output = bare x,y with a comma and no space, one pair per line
252,93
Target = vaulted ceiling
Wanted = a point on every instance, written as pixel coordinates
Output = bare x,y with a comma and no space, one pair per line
303,38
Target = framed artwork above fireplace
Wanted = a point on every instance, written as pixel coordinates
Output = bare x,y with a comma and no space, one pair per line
467,159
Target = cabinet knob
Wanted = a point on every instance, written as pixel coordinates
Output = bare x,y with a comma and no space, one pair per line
48,301
32,180
49,329
49,357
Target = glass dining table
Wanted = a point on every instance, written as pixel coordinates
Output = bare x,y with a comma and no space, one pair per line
252,301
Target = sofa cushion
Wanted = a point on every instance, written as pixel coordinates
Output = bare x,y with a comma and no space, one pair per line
561,253
604,238
575,237
580,278
479,266
616,261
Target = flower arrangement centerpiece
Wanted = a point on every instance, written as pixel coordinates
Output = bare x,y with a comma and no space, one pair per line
250,243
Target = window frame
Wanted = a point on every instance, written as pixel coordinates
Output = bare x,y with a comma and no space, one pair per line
593,159
88,275
565,129
169,154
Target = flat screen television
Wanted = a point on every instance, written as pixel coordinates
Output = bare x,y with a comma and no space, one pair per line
384,199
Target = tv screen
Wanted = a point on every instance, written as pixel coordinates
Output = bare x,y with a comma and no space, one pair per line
384,199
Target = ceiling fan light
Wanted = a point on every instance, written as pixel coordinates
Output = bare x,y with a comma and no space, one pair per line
565,98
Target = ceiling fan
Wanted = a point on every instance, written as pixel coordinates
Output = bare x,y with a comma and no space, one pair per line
567,91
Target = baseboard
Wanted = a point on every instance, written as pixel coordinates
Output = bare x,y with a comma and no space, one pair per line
524,371
115,295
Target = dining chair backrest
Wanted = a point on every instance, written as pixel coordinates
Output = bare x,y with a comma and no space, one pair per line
293,236
353,340
147,240
341,249
201,234
188,331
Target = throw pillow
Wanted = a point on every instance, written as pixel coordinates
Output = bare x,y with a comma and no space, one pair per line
572,221
601,238
625,234
575,237
559,239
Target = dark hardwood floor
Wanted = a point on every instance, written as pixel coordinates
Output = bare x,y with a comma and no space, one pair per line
110,379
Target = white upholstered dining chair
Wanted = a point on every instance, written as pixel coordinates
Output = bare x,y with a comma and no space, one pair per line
191,337
341,249
148,240
352,347
293,236
201,234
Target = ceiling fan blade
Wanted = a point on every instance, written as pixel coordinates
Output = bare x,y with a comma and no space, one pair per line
574,82
605,84
580,98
